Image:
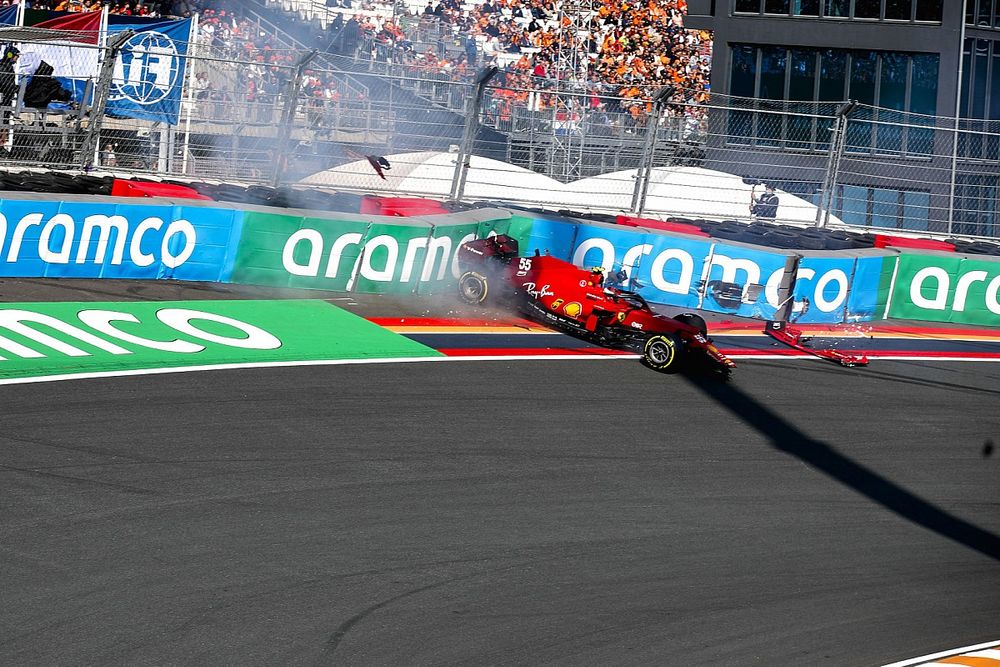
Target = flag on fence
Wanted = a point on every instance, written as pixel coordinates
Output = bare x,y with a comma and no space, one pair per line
9,16
149,73
67,55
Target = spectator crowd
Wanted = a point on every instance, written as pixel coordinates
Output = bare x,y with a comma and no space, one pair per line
612,56
607,59
152,9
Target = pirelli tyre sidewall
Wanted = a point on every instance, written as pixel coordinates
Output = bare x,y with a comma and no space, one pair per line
662,353
473,288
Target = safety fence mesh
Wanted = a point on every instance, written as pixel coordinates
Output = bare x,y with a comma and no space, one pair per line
287,117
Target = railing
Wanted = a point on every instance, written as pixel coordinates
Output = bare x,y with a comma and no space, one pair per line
861,165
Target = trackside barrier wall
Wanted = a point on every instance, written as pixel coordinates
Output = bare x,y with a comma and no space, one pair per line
724,277
943,287
106,237
344,252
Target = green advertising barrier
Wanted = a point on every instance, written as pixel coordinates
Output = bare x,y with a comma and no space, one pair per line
946,288
44,339
353,253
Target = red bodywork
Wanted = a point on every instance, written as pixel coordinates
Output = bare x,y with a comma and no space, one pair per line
556,292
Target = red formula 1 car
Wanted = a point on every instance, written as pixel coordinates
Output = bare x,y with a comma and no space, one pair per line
579,302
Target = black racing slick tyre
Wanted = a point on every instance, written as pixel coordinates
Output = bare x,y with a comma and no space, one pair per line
662,353
692,320
473,288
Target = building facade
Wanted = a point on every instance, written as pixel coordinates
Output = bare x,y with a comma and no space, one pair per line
785,67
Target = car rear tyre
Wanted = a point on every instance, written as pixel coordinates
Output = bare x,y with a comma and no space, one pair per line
692,320
661,353
472,287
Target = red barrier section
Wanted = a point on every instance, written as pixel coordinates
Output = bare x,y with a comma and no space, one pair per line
885,241
122,188
401,206
665,226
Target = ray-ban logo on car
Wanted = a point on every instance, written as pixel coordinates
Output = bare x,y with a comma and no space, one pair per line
147,69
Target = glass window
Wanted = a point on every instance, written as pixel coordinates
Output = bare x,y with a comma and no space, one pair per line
862,89
802,82
748,6
866,9
898,10
966,77
892,95
854,205
916,210
773,62
970,11
979,79
741,84
863,76
892,85
996,14
929,10
983,16
772,72
832,75
923,100
885,208
801,87
923,89
776,7
994,112
837,8
807,7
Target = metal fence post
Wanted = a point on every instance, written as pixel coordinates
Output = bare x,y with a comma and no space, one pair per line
288,114
645,170
89,148
473,107
838,142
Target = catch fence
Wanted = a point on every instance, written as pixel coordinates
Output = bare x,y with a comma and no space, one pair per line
300,116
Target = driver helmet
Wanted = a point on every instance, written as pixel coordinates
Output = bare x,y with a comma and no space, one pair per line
597,274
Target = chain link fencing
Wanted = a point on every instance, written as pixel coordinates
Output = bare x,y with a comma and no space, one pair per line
287,118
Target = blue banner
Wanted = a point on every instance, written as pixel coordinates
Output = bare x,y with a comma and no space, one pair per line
822,288
671,272
550,236
744,281
9,16
149,73
663,269
78,240
862,303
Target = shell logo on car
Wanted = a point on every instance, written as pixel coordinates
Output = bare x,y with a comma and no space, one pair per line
573,309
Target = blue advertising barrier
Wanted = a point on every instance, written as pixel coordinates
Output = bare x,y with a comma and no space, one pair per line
110,240
837,289
550,236
107,238
733,272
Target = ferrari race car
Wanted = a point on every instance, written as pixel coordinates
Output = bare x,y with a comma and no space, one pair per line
582,303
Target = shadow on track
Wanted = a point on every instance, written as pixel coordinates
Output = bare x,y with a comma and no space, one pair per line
787,438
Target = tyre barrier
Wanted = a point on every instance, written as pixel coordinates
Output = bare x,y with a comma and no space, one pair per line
347,202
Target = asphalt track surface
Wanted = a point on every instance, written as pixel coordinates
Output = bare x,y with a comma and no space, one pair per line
558,512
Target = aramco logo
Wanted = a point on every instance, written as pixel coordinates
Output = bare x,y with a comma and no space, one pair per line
147,70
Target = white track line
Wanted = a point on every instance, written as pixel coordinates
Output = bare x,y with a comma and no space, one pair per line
408,360
923,660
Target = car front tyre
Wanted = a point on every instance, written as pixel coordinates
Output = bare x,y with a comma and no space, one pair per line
661,353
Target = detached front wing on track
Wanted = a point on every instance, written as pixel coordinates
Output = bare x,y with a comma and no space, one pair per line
781,332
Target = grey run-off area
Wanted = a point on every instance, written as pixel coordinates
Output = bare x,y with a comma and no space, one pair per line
501,512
